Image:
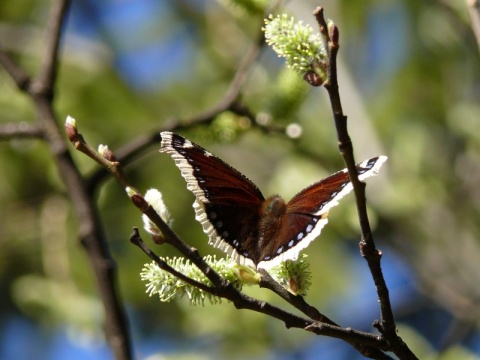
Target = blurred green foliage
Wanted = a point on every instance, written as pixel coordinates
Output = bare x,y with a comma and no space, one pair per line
422,111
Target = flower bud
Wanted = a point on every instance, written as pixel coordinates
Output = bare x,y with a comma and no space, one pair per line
155,199
106,152
71,129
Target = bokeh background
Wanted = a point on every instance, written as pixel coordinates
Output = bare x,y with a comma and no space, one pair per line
409,76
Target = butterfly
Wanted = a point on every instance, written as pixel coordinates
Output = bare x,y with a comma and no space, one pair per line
237,218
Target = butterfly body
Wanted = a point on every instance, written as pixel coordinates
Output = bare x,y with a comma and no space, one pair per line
239,220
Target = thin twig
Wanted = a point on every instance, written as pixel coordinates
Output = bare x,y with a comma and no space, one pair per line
110,165
46,77
387,324
298,301
18,75
137,240
22,130
173,239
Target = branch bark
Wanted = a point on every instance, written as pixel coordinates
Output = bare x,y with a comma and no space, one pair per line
371,254
41,91
20,131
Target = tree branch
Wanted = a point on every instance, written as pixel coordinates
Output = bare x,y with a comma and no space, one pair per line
368,250
299,302
45,79
370,343
18,75
137,240
22,130
90,232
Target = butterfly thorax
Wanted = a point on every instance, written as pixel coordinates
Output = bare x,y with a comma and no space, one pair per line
270,222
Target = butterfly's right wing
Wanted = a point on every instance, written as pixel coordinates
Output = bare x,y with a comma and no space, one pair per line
307,211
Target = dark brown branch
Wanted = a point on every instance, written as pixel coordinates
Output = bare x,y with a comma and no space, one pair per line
173,239
20,131
242,301
90,231
91,235
18,75
299,302
110,165
45,80
370,347
137,240
367,246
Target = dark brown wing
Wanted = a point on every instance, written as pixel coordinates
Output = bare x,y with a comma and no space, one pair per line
306,213
227,203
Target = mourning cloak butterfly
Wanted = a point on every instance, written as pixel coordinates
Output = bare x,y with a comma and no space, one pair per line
237,218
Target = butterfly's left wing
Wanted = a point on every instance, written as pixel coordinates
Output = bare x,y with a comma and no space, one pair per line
227,203
307,212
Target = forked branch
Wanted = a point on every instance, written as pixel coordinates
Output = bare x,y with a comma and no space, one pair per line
367,344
